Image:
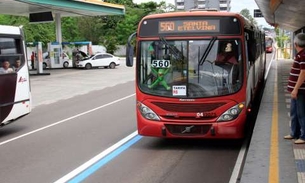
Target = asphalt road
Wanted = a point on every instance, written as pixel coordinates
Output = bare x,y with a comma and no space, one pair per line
79,115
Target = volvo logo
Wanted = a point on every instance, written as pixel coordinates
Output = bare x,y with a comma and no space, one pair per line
187,129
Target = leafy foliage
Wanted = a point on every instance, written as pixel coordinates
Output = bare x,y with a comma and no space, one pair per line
109,31
246,13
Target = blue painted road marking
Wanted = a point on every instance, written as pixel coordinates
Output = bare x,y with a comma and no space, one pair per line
89,171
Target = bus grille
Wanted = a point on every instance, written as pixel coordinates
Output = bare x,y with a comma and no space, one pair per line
188,130
183,107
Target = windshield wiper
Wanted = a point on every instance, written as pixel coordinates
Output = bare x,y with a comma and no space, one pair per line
173,49
207,50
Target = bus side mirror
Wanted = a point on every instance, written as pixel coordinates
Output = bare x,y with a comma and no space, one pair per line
129,56
129,51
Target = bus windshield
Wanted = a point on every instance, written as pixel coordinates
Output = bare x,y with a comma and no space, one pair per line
190,68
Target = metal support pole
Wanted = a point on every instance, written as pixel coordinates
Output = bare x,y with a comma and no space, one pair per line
39,58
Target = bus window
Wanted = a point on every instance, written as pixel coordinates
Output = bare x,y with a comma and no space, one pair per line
162,63
180,64
10,55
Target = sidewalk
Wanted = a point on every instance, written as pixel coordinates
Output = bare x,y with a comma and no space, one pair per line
271,158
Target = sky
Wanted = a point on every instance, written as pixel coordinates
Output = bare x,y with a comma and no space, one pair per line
236,6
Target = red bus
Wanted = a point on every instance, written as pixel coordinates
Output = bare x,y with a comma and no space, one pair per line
269,44
183,90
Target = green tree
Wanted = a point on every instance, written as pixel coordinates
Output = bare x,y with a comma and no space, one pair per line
70,30
110,31
43,32
246,13
281,38
91,28
127,3
126,27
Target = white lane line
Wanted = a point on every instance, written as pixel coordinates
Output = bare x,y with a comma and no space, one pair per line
64,120
96,159
235,176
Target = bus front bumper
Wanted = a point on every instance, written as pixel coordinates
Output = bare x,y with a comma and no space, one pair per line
222,130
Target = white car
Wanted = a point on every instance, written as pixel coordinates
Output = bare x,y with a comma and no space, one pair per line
105,60
46,61
67,62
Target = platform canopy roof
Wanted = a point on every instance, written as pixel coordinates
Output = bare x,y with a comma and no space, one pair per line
288,14
66,8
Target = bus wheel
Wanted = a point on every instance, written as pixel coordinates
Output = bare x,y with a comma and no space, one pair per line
88,66
66,64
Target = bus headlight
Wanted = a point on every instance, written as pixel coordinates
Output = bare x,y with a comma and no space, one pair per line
147,113
231,113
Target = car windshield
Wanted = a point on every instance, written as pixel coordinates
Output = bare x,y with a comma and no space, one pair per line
190,68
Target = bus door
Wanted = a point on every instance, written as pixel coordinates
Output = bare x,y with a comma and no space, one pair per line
7,94
8,77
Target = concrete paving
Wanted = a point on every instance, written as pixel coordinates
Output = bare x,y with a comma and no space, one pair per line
66,83
270,157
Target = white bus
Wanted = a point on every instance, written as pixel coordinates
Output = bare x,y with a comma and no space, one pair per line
15,93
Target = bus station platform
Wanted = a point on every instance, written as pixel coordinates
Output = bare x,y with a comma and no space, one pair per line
270,157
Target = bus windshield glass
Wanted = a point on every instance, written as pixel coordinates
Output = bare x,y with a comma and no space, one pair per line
190,68
11,54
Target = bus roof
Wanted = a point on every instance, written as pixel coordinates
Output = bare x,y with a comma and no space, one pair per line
11,30
192,13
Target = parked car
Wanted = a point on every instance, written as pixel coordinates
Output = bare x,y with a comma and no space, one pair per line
105,60
67,62
45,57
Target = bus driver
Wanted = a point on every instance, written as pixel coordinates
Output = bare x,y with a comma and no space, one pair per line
226,55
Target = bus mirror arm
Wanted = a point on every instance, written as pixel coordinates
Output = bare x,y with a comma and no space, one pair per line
129,51
207,51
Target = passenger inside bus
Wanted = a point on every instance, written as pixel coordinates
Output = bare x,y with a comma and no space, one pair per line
6,68
16,65
226,55
226,59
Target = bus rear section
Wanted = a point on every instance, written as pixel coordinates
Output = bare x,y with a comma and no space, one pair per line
196,74
15,95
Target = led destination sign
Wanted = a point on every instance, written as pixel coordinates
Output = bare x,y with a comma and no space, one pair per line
190,26
184,26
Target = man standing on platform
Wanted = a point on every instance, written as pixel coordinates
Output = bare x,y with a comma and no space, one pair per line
296,87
